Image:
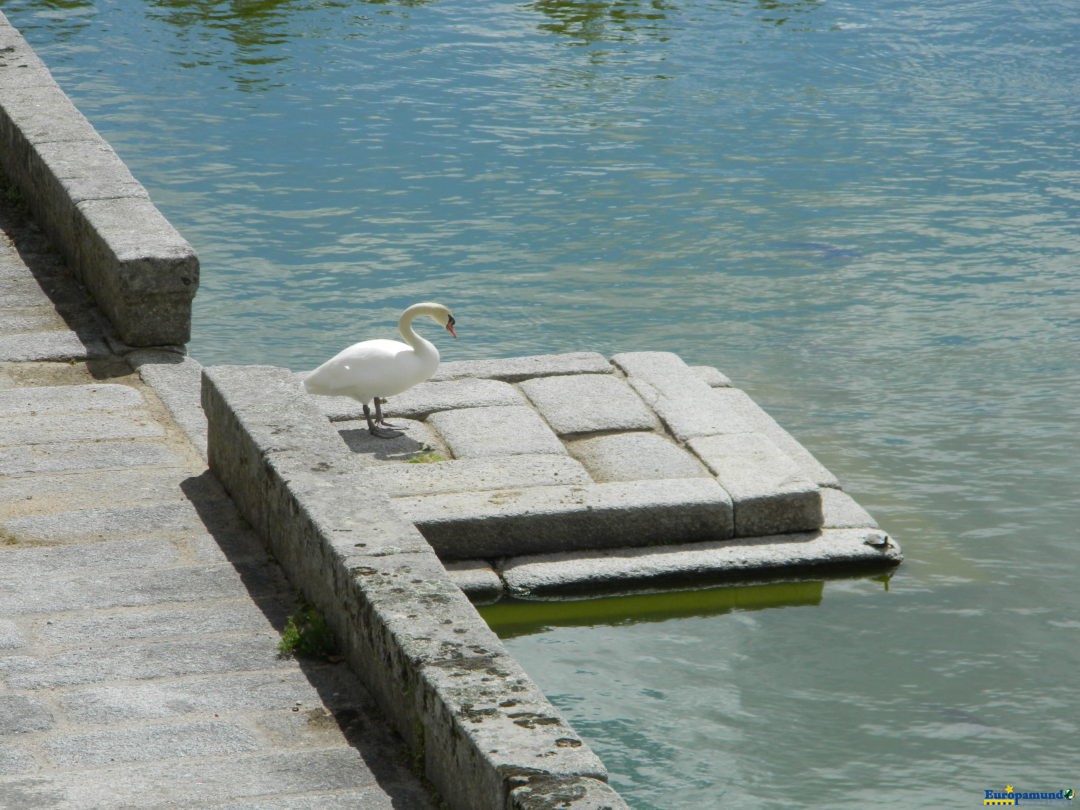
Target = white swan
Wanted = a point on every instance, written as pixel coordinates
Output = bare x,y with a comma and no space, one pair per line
372,370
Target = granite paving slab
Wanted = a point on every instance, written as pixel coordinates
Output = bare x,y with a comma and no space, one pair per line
588,403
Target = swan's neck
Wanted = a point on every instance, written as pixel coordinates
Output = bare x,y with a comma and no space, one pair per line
419,344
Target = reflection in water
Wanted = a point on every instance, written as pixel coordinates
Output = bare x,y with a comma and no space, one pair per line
254,32
510,618
586,22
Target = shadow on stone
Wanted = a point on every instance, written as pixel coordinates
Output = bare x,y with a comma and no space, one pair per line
69,298
351,707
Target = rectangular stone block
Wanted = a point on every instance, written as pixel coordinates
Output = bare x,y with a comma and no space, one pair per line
476,578
478,474
764,558
509,719
37,494
769,494
212,694
588,403
149,742
129,587
502,431
736,406
506,523
147,661
142,273
680,397
209,782
52,346
130,521
28,321
84,170
56,399
635,457
73,426
841,511
516,369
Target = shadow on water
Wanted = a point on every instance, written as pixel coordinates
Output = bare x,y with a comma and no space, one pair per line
512,617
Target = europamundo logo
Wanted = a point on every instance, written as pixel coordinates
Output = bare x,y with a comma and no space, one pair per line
1013,797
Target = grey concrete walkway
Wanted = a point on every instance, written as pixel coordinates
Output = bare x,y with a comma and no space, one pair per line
139,615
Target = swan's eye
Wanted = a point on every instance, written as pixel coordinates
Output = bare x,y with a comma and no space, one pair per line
450,320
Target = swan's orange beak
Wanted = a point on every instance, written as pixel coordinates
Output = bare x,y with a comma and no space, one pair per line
450,326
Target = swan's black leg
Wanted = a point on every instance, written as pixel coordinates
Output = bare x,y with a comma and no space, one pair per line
372,425
379,418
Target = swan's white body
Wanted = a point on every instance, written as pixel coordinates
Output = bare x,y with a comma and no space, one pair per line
372,370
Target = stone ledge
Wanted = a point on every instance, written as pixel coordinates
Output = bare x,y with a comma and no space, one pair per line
827,550
505,523
140,271
480,727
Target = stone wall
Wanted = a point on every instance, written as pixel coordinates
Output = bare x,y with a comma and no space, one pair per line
482,731
140,271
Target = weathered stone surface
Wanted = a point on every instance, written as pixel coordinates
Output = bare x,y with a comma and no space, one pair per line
516,369
403,622
588,403
412,439
170,783
177,380
259,691
29,321
145,661
736,407
84,170
56,399
762,557
50,346
424,399
501,709
141,272
137,626
635,457
841,511
11,638
681,399
63,527
712,377
503,431
566,794
152,742
427,398
504,523
26,429
769,494
37,494
477,580
478,474
132,588
20,714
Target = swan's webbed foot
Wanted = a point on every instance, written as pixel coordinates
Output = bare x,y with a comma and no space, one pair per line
380,433
379,418
374,424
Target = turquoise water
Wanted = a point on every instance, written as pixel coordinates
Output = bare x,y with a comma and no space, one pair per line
865,214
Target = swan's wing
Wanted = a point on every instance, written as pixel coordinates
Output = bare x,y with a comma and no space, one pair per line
369,369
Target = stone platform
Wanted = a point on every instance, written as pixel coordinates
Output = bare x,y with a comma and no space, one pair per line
571,472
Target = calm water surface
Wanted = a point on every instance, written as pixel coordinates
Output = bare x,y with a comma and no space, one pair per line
864,213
